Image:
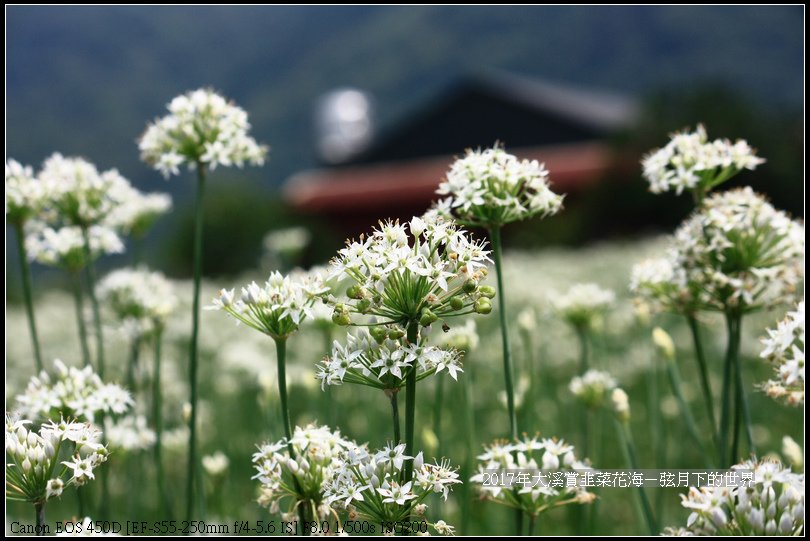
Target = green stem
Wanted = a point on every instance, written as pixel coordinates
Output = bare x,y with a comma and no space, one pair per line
195,326
25,271
395,414
732,351
704,375
468,423
629,451
532,521
437,412
157,419
79,303
134,354
582,335
90,269
281,356
686,414
531,370
495,238
410,403
39,509
742,396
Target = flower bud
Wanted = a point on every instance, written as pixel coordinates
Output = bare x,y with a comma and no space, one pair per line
469,286
621,404
663,343
482,306
427,318
487,291
341,315
354,292
379,334
396,334
456,303
363,305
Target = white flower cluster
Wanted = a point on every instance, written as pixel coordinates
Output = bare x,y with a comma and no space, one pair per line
25,195
79,193
430,273
317,451
491,188
202,128
129,433
526,454
784,350
64,246
593,388
380,358
772,505
291,240
140,299
370,485
744,253
33,471
691,162
277,308
72,392
662,285
583,304
216,465
138,212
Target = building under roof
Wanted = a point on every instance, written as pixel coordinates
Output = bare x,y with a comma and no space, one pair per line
397,174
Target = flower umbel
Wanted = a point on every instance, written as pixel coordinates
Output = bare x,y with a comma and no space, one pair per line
370,485
382,358
593,388
429,271
202,128
34,472
691,162
784,350
529,454
491,188
140,300
278,307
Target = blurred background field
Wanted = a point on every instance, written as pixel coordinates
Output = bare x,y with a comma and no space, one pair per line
85,80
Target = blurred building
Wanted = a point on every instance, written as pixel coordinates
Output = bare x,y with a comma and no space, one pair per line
396,174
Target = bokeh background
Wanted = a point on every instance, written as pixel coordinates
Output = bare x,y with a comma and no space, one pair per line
364,109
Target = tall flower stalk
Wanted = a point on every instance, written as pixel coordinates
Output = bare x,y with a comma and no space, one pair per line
403,279
24,201
490,189
202,131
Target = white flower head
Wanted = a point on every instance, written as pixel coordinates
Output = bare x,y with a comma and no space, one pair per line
583,304
784,350
491,188
691,162
140,300
593,388
25,195
64,247
202,128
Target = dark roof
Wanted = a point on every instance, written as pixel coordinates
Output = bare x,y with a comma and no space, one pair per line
497,106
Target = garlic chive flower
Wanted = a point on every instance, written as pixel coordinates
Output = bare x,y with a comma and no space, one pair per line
772,505
382,358
129,433
490,188
594,388
662,284
369,485
41,465
300,480
64,247
784,350
745,254
202,128
139,211
78,193
139,299
276,308
426,271
583,305
72,392
691,162
25,195
529,493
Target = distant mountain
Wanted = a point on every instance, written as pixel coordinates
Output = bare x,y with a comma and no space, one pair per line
85,80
